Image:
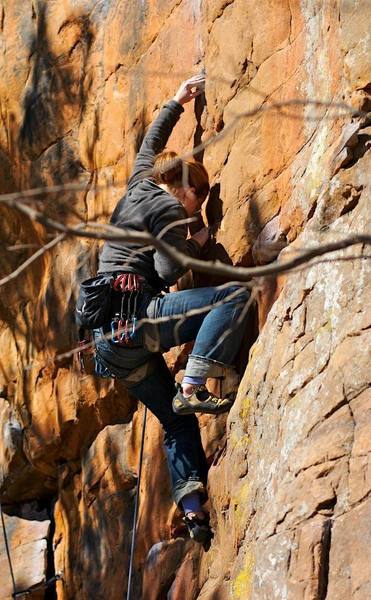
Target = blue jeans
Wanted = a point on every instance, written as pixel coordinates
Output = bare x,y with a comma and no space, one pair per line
217,335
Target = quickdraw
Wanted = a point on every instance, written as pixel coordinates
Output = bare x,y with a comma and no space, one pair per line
124,323
128,282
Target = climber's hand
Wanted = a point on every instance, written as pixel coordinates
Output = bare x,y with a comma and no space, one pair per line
202,236
189,89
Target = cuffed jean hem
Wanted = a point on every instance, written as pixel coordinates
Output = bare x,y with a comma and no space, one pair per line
183,488
199,366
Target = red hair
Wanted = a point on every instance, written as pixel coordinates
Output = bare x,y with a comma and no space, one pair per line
175,172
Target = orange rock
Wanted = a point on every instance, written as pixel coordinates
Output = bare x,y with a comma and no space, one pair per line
79,85
27,541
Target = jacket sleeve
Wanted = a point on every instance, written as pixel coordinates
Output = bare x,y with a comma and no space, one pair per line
168,270
155,140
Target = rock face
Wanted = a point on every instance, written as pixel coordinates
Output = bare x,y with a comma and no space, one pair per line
290,474
27,536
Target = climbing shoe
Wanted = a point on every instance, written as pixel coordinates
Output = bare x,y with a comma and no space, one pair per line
199,530
201,401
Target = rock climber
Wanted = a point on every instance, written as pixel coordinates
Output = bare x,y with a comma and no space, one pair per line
158,200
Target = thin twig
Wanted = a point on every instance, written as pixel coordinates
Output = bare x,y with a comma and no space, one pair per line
112,233
157,320
32,259
274,106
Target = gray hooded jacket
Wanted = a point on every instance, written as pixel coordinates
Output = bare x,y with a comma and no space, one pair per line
147,207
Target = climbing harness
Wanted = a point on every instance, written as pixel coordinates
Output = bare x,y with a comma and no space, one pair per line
136,506
30,590
108,299
124,322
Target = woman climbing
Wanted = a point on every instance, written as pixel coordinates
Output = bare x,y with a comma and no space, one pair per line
161,193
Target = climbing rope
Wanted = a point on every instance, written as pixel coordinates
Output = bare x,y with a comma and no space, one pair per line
136,506
8,552
30,590
133,537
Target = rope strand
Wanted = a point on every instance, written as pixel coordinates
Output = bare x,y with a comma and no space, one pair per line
8,552
25,592
136,506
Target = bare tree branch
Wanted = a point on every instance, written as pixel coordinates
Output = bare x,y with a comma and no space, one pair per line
324,261
176,317
343,108
302,256
246,308
196,311
20,247
111,233
32,259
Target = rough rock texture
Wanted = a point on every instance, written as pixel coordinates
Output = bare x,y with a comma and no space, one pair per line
27,541
298,446
290,478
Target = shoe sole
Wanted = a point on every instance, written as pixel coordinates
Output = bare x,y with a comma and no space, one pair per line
185,410
200,537
201,534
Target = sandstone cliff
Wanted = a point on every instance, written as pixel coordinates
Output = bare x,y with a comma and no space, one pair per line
290,476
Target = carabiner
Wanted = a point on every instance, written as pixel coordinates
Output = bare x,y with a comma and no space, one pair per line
133,327
114,326
121,330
